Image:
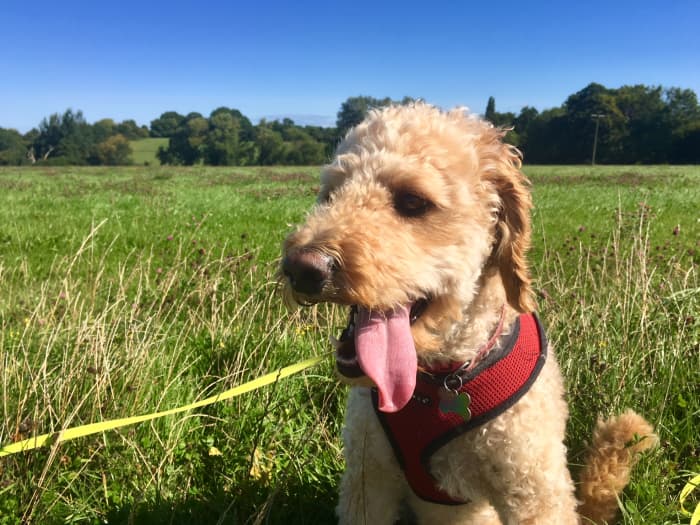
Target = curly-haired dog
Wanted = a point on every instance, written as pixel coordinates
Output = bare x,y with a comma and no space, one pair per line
457,407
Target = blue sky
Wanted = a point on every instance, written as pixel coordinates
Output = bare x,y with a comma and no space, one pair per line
302,59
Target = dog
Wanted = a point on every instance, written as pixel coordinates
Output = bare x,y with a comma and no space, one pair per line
456,409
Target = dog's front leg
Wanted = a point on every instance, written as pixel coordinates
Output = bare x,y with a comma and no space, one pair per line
373,483
523,458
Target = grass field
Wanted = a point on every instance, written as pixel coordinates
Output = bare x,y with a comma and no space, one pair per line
144,151
129,290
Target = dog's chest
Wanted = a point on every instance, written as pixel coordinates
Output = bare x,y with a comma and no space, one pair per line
446,407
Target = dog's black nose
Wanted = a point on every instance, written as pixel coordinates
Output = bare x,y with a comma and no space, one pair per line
308,270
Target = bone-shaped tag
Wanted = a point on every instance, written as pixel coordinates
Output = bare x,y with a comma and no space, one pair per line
452,402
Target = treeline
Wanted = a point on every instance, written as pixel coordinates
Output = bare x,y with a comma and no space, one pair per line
630,124
227,138
636,125
68,139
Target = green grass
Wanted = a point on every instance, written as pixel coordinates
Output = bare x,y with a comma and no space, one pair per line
125,291
144,151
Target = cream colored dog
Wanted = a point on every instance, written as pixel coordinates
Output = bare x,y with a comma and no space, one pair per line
422,227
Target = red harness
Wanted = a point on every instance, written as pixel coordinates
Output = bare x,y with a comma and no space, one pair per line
446,405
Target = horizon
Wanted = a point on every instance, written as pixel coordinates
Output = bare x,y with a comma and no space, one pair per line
302,62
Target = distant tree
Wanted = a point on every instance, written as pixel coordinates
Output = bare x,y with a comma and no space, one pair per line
195,129
13,148
546,142
354,109
684,119
490,113
67,136
166,156
270,145
114,151
686,144
228,139
521,125
221,142
103,129
575,138
302,149
502,120
131,130
47,140
326,136
647,131
167,124
186,146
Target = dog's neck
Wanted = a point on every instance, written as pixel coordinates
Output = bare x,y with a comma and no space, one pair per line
479,320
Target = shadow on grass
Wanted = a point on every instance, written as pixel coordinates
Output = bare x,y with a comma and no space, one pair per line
254,503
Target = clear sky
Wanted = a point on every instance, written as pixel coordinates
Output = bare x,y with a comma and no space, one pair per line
126,59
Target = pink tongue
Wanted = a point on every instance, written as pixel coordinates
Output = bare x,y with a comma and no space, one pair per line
386,353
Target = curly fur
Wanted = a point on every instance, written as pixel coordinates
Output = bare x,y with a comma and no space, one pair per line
466,254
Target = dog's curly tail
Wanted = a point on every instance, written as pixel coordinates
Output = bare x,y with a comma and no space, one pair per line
617,443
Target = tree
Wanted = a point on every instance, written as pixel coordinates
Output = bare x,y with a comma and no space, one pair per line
104,128
576,136
546,143
270,145
684,119
131,130
302,149
114,151
354,109
686,144
67,136
167,124
13,148
186,145
221,142
326,136
490,113
521,125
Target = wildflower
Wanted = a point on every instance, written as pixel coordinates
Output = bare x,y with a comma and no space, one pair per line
169,238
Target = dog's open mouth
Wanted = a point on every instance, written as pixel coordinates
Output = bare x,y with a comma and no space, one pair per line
380,346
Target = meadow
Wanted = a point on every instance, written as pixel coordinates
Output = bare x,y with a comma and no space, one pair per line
143,151
125,291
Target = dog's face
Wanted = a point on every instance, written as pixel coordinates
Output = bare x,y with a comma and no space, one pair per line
416,208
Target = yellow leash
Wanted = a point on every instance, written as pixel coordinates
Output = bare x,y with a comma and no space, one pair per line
94,428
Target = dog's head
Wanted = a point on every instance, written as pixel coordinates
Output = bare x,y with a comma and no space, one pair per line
416,209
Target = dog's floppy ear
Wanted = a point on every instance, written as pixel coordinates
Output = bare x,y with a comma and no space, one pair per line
513,228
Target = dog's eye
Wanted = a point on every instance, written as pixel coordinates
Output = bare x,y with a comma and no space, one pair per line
323,197
411,205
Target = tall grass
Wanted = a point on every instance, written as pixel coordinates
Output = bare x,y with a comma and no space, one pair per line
90,349
626,330
93,327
